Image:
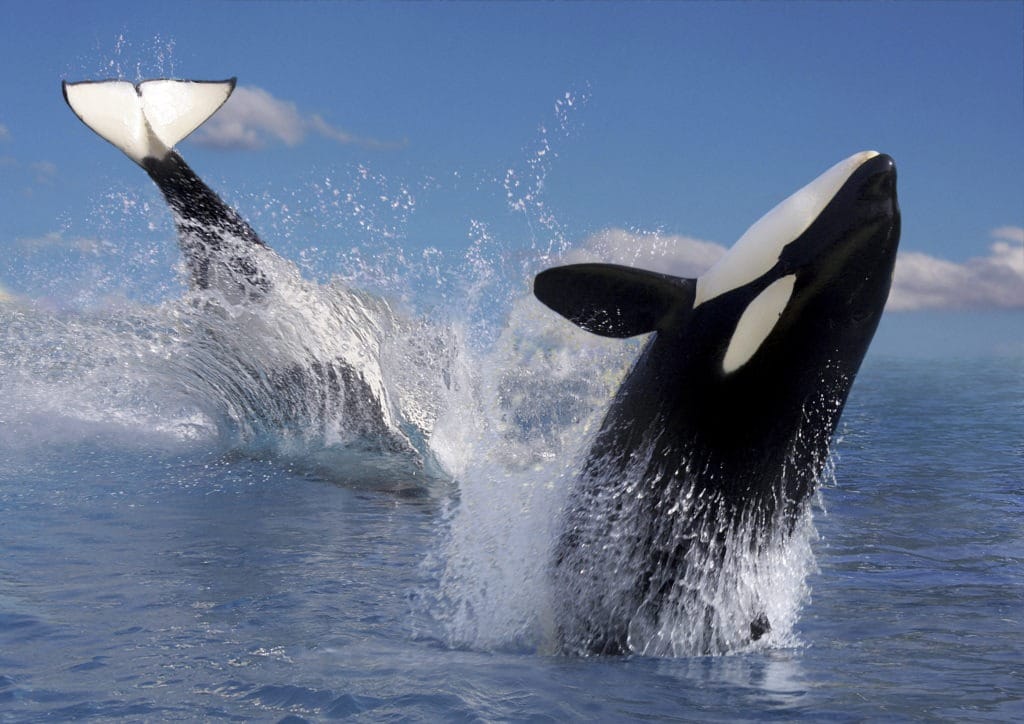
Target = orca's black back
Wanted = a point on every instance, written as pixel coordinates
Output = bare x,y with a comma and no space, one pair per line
210,232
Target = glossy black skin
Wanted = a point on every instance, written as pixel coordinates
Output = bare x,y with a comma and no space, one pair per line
217,243
750,444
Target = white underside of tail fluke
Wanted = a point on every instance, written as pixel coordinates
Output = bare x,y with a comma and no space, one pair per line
146,120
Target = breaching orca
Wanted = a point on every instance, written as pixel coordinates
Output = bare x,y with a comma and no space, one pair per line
724,421
222,252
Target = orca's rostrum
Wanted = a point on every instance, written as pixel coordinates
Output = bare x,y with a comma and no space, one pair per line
714,441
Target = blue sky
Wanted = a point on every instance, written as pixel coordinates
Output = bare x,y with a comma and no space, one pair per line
688,119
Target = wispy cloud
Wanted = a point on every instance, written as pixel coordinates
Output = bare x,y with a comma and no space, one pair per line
253,118
683,256
4,133
1012,234
57,240
40,172
921,281
44,171
992,281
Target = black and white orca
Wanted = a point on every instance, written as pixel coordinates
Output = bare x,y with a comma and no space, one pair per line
223,253
725,420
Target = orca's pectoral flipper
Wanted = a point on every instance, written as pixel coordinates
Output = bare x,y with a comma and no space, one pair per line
612,300
146,120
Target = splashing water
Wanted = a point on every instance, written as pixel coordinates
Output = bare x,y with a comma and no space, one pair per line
647,564
362,376
517,488
301,376
153,59
529,407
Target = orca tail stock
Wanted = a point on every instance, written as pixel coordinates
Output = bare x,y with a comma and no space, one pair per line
145,121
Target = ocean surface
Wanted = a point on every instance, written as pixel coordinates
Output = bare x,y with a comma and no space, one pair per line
175,549
341,500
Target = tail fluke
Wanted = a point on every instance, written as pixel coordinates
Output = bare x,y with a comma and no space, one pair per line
146,120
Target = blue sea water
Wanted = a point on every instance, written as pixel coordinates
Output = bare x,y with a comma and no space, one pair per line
155,567
183,539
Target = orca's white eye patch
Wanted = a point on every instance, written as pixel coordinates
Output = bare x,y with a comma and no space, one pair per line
757,322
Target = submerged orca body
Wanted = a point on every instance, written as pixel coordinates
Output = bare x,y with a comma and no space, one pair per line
222,252
718,433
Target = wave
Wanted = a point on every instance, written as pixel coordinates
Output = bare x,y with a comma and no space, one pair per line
318,374
492,392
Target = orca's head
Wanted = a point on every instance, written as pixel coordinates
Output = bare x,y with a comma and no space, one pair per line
789,309
797,299
754,360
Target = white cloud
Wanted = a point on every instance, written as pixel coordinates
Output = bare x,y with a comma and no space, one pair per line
325,129
993,281
4,133
921,281
42,172
682,256
252,118
1009,233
